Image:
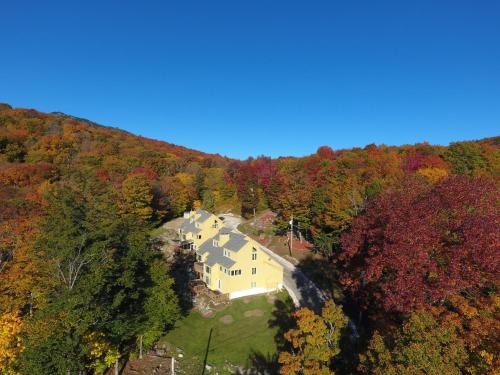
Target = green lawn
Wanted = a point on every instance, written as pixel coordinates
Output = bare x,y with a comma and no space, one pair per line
234,342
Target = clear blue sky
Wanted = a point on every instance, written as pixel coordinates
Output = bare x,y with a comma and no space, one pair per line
260,77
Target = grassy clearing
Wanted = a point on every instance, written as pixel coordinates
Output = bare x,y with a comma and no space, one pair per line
233,340
157,232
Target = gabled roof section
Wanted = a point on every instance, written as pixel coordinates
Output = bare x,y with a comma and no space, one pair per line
217,257
236,241
207,246
188,226
204,215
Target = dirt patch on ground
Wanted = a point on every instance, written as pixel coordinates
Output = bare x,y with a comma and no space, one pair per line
246,300
253,313
150,364
226,319
271,298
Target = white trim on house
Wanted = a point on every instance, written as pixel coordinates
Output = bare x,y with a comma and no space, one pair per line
252,292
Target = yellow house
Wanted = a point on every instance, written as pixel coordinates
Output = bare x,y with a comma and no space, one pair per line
231,262
197,227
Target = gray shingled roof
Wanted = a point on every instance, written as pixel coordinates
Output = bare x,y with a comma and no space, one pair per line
204,215
236,241
207,246
217,257
189,227
216,253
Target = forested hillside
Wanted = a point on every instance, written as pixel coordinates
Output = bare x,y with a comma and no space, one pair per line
410,232
412,236
80,280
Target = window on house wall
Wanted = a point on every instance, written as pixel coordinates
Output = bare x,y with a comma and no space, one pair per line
254,271
254,256
253,284
199,236
220,268
227,253
207,269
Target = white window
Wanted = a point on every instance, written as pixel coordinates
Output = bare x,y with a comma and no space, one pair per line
254,271
253,284
254,256
207,269
216,243
227,253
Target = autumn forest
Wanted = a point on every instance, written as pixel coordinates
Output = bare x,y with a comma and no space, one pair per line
410,233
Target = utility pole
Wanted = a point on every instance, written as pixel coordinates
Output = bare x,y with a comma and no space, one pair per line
291,235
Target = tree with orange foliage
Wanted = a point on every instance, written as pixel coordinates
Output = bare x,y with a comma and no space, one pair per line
314,343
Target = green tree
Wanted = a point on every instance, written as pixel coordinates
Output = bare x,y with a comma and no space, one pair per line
106,276
208,203
161,305
466,158
421,346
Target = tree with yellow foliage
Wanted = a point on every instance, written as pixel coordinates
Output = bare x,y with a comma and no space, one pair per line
314,343
10,341
137,197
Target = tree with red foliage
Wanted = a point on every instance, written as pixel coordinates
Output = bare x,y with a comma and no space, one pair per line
415,246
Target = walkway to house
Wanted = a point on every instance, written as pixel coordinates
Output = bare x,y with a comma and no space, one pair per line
303,291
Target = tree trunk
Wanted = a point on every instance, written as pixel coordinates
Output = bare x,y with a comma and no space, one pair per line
116,367
140,347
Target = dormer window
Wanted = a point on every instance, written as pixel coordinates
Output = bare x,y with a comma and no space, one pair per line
227,253
216,243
